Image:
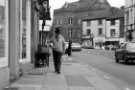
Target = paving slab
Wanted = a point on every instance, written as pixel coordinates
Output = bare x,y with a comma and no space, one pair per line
81,88
74,76
77,80
54,88
54,80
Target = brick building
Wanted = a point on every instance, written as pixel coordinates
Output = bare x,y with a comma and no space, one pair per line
70,16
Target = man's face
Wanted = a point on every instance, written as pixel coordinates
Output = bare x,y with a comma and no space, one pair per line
45,4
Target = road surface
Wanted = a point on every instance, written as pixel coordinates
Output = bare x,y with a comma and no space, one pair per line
121,74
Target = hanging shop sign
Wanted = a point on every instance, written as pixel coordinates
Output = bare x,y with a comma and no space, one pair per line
44,12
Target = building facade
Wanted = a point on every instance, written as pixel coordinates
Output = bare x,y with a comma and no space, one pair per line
130,20
16,38
107,29
70,16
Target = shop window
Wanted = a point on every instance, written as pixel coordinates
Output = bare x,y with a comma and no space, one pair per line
2,28
3,33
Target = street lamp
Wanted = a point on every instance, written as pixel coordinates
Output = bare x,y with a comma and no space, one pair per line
44,14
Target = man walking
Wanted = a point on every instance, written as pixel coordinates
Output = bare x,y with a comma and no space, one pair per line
58,49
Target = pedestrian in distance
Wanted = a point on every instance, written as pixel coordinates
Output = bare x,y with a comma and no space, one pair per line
69,50
58,49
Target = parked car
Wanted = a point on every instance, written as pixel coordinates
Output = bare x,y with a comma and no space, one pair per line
126,52
88,47
75,46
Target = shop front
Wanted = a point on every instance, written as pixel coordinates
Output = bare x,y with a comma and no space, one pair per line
25,35
99,42
19,37
15,39
4,69
87,42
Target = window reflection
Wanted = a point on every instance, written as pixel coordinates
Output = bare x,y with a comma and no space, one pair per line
24,45
2,28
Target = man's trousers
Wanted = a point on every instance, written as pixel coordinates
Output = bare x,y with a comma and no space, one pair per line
57,60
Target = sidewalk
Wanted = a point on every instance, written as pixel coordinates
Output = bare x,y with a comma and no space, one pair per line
74,76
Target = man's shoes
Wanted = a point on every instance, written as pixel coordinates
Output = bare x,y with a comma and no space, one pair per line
58,72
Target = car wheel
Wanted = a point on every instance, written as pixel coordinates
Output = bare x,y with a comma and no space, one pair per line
116,59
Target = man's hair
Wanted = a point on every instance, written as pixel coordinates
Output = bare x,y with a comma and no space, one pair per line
57,30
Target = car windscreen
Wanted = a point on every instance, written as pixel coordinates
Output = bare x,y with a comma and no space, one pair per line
75,44
130,46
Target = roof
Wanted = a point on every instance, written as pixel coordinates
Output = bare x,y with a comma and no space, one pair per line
83,5
97,9
97,15
111,13
116,13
